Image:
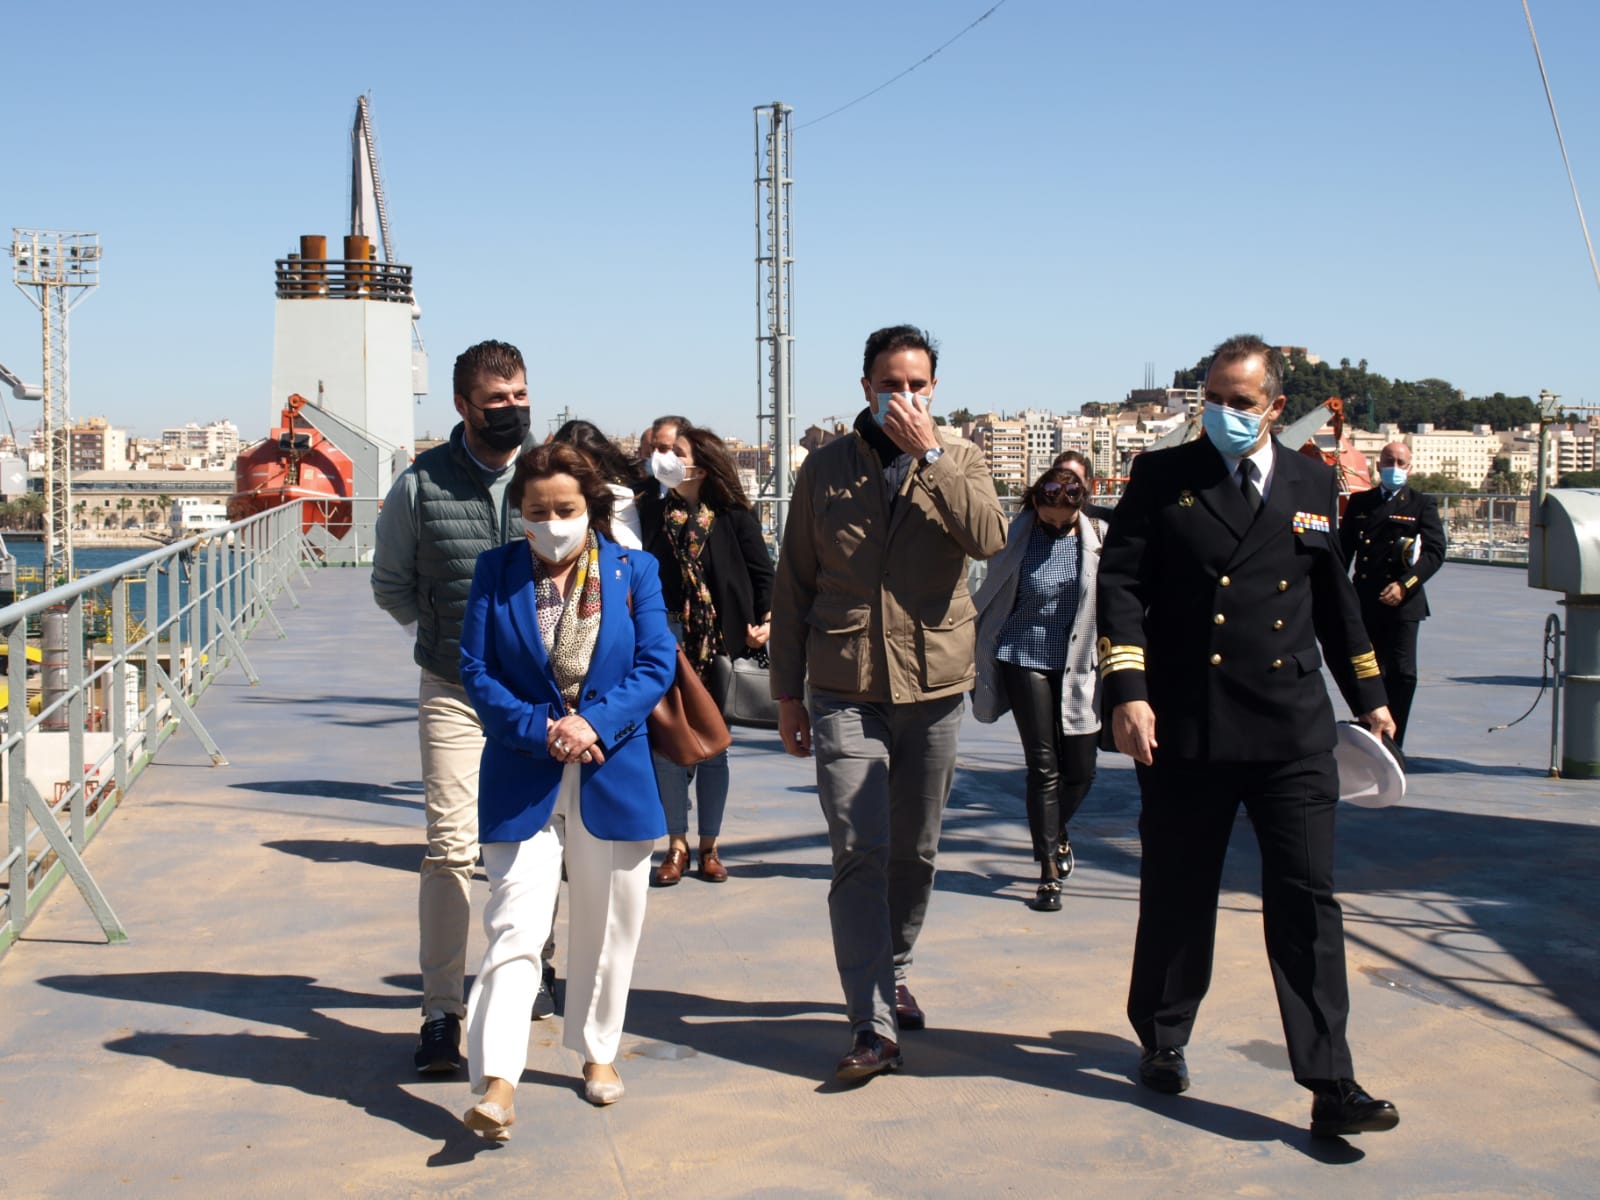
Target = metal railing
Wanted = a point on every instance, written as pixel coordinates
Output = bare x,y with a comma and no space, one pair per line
106,707
1478,526
1487,528
343,279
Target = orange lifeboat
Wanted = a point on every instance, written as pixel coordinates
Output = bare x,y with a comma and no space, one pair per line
1348,462
297,462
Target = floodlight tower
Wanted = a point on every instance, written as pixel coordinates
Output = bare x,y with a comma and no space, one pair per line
774,301
56,271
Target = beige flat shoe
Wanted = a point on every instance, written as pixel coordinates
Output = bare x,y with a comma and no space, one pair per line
601,1092
489,1120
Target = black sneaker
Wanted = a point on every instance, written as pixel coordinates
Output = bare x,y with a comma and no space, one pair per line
439,1046
544,1001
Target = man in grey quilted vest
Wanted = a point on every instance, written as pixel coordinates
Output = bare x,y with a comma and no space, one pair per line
447,508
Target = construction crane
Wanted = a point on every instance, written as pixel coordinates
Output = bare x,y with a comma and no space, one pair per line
22,391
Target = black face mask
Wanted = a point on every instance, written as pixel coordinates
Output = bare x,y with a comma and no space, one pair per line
504,427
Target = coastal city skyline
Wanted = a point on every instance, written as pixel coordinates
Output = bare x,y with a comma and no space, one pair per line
1064,207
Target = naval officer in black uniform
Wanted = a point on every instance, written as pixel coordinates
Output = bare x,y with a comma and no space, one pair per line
1394,540
1220,577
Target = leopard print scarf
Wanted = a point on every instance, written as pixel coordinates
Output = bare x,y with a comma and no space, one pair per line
570,639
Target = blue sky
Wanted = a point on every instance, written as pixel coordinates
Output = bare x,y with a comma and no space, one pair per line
1066,193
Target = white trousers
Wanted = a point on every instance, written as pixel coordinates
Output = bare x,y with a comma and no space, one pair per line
606,887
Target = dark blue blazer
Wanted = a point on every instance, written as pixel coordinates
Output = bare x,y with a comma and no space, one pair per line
1215,617
506,672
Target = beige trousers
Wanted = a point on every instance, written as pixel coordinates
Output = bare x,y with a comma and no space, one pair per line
606,887
452,744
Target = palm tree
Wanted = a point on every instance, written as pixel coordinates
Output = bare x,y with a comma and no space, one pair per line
31,510
164,507
77,512
123,505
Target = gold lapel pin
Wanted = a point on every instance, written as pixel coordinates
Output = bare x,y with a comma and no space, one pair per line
1186,499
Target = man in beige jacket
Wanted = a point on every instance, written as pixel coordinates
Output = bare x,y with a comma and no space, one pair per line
872,653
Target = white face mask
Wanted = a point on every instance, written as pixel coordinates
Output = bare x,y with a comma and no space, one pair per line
667,468
557,541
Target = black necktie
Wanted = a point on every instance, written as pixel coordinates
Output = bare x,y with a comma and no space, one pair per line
1247,486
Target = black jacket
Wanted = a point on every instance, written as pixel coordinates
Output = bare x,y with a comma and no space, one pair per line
738,569
1398,540
1215,618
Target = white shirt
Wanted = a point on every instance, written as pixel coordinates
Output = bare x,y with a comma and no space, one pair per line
1262,458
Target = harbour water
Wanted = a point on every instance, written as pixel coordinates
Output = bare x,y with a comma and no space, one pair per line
89,560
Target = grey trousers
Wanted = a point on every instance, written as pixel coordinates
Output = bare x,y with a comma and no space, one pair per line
883,777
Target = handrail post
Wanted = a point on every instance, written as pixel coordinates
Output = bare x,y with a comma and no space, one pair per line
117,701
76,711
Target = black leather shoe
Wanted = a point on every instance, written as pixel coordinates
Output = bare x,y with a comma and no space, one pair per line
439,1046
1064,859
1048,898
1346,1108
1164,1070
870,1055
907,1013
544,1000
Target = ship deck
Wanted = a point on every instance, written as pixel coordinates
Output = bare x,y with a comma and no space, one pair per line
254,1035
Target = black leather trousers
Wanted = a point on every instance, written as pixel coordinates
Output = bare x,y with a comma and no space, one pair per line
1060,765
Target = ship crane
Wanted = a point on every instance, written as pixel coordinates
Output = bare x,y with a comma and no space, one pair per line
369,218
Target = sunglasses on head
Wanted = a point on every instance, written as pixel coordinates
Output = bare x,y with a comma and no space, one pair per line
1070,492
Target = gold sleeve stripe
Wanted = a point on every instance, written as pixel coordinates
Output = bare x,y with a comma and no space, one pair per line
1120,658
1366,665
1121,661
1412,582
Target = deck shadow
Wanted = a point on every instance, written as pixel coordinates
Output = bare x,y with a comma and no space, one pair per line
794,1038
340,1061
403,794
401,856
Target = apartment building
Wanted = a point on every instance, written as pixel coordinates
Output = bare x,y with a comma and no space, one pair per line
1467,455
1004,442
215,444
1572,449
97,446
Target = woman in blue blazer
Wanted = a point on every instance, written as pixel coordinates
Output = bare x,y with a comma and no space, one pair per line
564,651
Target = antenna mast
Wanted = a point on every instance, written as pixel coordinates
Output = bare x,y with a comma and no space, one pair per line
56,271
774,303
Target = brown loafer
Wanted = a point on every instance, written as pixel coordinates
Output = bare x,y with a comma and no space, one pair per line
672,868
870,1055
711,868
908,1013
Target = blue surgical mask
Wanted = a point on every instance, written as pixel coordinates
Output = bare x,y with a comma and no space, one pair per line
1394,478
882,410
1233,433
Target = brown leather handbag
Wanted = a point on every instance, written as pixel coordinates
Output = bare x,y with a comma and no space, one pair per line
687,726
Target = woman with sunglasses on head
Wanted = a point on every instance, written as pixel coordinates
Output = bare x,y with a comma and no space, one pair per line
1036,656
1080,466
716,574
